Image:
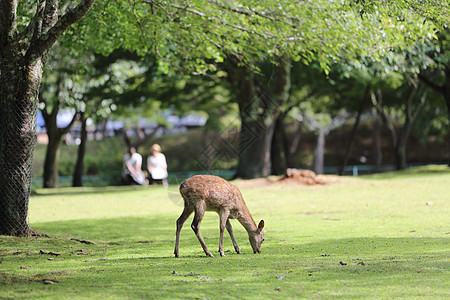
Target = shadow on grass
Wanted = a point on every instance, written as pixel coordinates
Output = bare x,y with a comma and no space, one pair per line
159,232
90,190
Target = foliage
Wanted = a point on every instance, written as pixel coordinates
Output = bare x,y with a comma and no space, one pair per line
196,35
435,11
393,243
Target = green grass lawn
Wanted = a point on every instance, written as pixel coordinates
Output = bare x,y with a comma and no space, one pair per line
390,231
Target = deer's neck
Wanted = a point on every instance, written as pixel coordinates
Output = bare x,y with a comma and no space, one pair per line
247,221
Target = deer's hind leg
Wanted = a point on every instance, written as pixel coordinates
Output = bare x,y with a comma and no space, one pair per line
198,217
187,211
223,215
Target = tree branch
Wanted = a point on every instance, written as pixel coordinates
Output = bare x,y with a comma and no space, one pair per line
413,92
376,101
8,19
421,103
46,41
67,128
220,21
50,15
337,121
254,12
34,27
437,88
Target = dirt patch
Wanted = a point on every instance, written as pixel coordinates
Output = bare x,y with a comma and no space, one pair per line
292,176
302,177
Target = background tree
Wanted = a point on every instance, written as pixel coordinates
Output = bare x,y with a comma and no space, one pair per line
412,104
436,74
51,103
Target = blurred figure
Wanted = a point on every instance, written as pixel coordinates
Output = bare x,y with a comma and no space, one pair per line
132,173
157,166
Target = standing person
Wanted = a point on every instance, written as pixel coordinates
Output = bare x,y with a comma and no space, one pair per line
132,168
157,166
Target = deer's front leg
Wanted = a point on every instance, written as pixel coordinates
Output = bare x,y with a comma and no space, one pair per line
230,231
224,214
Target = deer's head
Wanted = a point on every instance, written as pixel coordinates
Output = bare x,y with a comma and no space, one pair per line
257,237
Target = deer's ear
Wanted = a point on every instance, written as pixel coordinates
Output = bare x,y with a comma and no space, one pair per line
261,225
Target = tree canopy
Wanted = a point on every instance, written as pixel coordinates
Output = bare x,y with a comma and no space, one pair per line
196,35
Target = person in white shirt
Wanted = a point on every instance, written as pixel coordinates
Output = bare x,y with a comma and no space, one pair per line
132,168
157,166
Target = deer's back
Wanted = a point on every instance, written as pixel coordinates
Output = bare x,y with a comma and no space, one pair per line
216,192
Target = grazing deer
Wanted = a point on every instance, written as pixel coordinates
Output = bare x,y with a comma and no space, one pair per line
211,193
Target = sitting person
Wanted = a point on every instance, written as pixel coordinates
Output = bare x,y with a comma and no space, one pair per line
132,173
157,166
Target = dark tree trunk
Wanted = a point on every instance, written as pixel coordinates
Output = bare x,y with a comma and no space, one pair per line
447,103
376,142
51,173
400,147
353,132
350,141
280,92
20,78
445,91
279,151
50,176
77,179
22,60
400,140
259,111
411,114
256,132
254,149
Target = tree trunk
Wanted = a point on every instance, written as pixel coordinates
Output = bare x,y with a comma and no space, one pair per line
280,92
258,112
350,144
295,142
411,114
257,124
254,150
400,150
445,91
376,142
19,85
22,60
279,151
55,139
350,141
353,132
77,179
52,154
447,103
50,176
319,153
